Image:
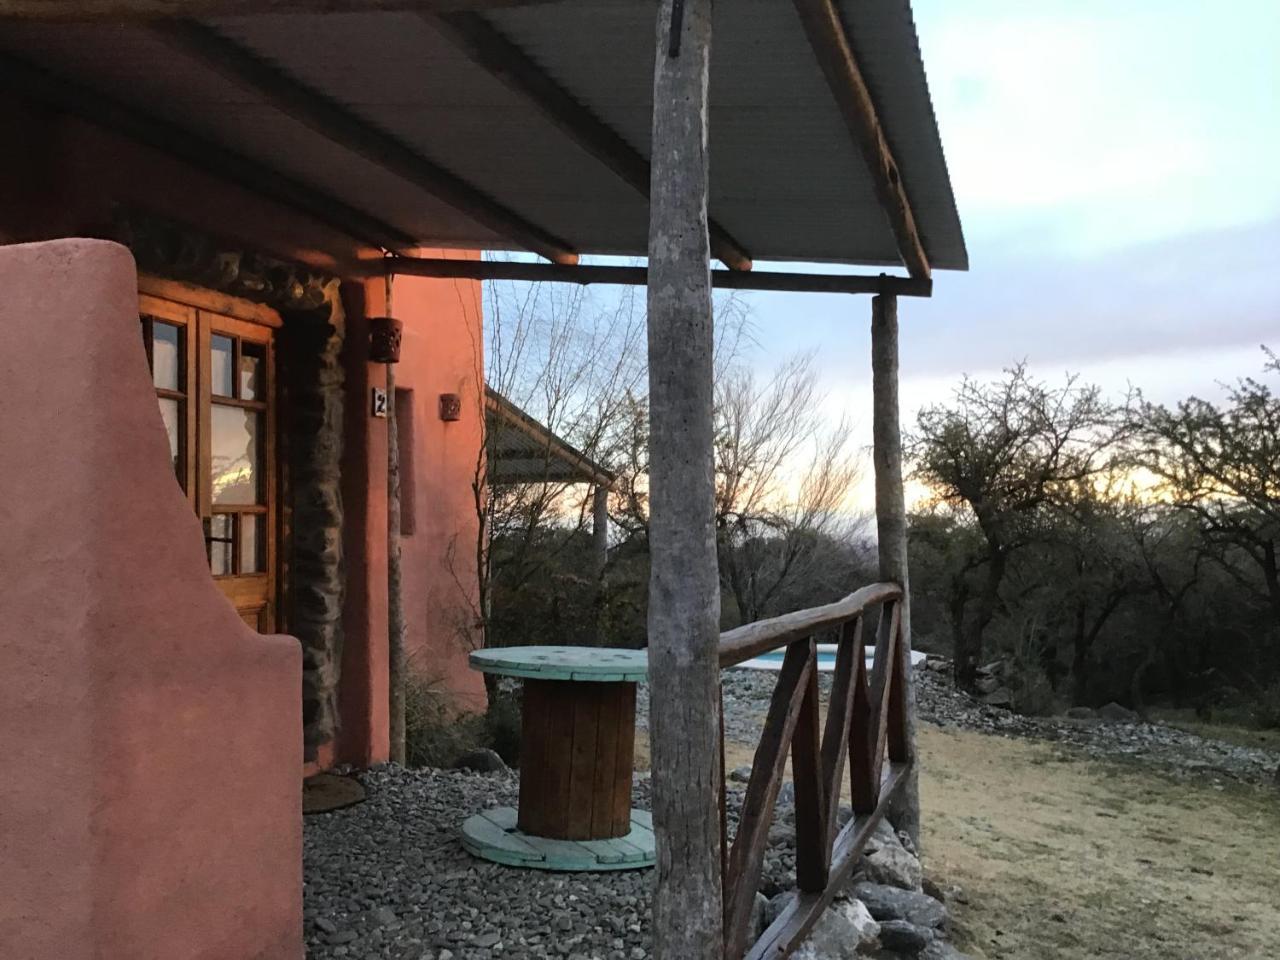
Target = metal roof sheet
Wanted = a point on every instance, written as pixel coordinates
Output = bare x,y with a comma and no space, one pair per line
786,179
522,450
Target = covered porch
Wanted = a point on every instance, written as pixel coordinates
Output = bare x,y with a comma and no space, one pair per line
368,141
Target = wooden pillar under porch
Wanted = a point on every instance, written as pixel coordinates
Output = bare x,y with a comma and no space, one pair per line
891,528
684,584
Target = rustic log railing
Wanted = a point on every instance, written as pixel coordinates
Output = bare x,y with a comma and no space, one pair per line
865,722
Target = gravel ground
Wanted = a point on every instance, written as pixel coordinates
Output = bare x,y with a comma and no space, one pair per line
1168,749
389,879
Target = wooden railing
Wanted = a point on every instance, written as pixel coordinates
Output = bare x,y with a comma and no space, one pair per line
865,722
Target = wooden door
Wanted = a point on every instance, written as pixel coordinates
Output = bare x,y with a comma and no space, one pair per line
214,376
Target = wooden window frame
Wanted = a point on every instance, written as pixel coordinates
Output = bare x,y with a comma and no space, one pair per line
196,310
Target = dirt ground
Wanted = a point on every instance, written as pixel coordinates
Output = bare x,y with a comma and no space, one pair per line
1063,858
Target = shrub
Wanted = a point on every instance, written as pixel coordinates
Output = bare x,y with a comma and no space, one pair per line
1266,711
436,734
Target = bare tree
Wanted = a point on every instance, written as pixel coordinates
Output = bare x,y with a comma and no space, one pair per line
1004,450
1222,465
771,518
571,358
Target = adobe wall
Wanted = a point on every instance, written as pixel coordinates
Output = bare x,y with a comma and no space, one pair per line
122,666
441,352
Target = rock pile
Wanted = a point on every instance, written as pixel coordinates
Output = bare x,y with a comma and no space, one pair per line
883,912
1110,733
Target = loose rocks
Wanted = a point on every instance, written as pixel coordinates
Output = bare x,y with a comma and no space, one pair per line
892,903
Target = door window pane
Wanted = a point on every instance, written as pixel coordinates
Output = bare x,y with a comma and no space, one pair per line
220,365
218,537
235,457
165,356
252,369
252,543
171,413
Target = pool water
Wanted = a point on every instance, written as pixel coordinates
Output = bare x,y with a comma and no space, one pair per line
826,659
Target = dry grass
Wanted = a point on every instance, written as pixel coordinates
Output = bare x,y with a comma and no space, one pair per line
1062,858
1066,858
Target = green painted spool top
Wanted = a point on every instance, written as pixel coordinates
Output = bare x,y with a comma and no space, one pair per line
598,664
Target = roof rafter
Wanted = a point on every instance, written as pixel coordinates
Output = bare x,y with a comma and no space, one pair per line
831,47
493,52
349,131
639,276
69,10
219,161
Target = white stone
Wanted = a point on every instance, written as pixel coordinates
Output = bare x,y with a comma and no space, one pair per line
892,865
840,934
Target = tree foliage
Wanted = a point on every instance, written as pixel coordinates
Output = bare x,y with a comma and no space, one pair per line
1108,552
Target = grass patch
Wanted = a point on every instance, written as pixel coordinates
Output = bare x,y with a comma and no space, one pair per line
436,734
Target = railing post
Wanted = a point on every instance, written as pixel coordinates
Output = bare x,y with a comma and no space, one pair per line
813,851
891,529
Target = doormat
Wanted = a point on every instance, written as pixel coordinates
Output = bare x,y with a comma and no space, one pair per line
328,791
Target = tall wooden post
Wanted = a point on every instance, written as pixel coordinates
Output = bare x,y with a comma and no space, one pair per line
599,553
891,522
684,588
395,597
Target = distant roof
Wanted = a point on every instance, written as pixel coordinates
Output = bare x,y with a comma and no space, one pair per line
522,450
787,180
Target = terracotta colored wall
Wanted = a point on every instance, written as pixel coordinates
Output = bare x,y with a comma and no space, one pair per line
123,670
73,173
441,353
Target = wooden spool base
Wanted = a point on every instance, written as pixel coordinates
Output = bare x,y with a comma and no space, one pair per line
493,835
576,759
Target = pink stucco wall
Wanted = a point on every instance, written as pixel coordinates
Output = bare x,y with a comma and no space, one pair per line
441,352
149,804
73,175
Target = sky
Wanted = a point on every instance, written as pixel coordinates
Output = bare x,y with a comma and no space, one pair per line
1117,171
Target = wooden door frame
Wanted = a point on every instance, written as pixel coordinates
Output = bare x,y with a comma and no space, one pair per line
183,302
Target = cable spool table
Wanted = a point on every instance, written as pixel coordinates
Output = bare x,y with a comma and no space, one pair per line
577,747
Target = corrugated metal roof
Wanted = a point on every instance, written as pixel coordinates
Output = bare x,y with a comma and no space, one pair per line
786,179
522,450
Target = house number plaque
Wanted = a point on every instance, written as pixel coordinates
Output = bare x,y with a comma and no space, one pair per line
378,406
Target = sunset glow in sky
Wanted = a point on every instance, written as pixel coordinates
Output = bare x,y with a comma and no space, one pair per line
1117,170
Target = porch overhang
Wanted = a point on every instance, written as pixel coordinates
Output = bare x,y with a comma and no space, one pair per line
521,125
522,450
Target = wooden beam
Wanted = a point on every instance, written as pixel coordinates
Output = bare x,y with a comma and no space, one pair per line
639,276
684,579
343,127
891,531
70,10
218,161
486,46
831,47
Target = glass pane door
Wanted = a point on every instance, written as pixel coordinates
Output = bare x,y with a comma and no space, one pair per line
213,378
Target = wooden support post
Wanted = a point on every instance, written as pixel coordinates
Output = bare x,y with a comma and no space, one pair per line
599,553
395,599
684,587
891,528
